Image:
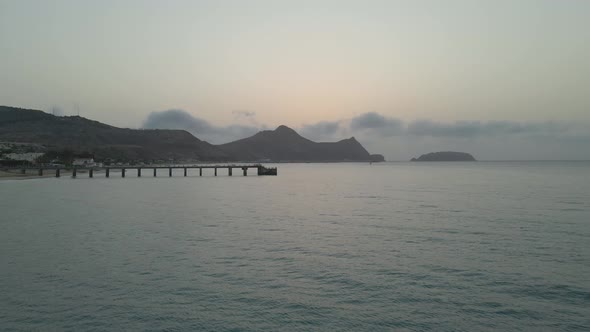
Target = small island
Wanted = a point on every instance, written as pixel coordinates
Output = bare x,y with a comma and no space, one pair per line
445,156
377,158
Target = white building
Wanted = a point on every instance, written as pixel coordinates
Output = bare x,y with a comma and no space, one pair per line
85,162
29,156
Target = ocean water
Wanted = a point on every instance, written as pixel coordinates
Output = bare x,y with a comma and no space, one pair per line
480,246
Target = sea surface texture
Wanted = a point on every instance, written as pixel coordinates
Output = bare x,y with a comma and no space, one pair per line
483,246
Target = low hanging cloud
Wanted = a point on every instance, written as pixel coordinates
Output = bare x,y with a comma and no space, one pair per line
400,140
180,119
374,125
378,124
246,114
367,125
476,128
321,131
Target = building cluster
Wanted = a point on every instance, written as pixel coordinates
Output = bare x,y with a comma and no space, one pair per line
21,154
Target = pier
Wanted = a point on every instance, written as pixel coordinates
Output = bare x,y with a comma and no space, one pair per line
75,171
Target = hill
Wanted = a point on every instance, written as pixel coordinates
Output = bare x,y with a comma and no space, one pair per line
445,156
285,144
104,141
82,135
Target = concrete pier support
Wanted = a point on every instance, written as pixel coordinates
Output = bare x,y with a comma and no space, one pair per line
72,170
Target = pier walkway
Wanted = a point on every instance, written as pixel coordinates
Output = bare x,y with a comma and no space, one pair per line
40,170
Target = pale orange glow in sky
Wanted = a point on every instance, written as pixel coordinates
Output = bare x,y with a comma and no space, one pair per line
298,62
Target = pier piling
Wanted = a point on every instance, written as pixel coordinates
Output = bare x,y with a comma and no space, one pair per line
40,169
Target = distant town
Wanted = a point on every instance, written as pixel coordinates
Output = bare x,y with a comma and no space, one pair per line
28,154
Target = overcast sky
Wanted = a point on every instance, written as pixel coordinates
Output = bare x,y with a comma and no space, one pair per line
503,79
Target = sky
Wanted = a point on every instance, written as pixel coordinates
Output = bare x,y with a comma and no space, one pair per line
502,79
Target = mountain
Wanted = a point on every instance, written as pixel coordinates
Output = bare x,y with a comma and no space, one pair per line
445,156
104,141
107,142
284,144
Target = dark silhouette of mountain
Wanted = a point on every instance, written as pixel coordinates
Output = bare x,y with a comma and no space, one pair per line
107,142
445,156
284,144
104,141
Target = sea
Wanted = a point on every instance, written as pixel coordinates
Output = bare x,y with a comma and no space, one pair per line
396,246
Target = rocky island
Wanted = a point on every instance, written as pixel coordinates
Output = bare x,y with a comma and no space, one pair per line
445,156
377,158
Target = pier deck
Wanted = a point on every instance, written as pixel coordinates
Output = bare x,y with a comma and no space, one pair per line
39,170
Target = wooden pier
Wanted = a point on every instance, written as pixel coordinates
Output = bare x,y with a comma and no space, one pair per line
40,170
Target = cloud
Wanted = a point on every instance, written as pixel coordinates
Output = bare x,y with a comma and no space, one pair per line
246,114
468,129
400,140
324,130
180,119
376,123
